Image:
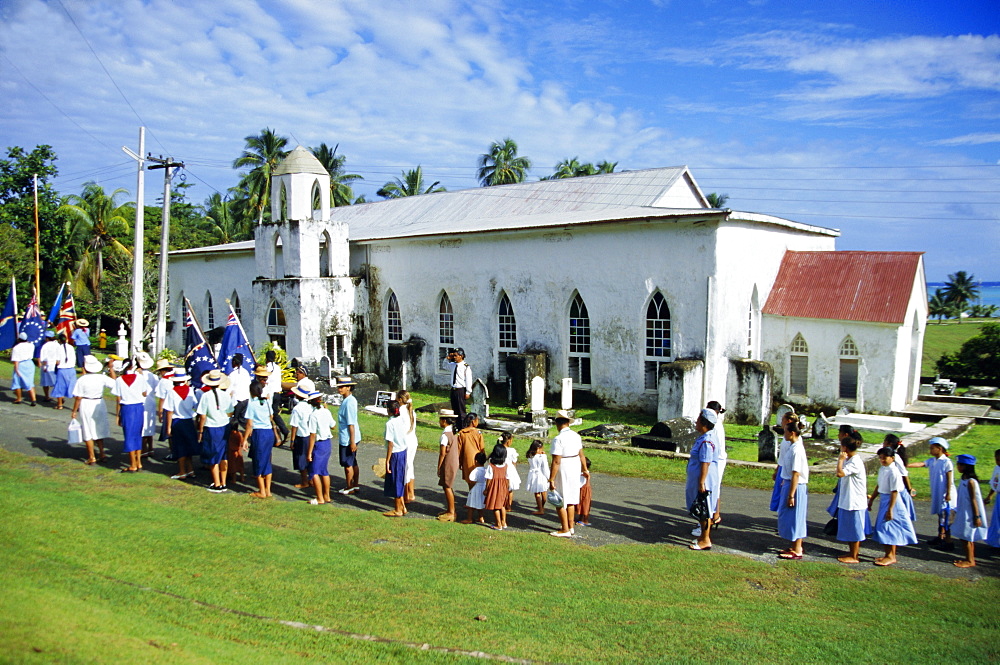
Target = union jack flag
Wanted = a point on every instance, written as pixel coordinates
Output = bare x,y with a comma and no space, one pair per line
67,315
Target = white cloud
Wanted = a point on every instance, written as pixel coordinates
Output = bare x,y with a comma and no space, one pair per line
980,138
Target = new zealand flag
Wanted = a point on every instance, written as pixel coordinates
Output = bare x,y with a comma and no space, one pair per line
198,356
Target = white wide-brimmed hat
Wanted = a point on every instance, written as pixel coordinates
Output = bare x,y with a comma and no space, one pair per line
92,364
144,359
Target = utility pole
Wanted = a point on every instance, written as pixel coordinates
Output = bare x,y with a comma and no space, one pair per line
159,340
137,250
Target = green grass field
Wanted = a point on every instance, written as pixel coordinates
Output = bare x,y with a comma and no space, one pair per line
946,337
100,567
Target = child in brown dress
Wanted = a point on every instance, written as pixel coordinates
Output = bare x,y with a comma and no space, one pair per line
497,486
583,509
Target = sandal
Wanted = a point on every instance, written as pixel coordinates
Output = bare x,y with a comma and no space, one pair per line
90,461
791,556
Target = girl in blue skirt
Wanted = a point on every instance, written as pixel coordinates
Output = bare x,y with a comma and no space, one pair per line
789,417
298,429
942,477
993,532
179,411
131,396
395,459
213,411
321,426
851,505
258,438
794,501
892,526
970,514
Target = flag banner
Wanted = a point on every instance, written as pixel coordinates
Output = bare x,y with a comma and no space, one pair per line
8,320
66,322
33,325
198,355
234,340
54,312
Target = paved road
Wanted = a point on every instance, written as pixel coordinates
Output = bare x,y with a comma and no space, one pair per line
625,510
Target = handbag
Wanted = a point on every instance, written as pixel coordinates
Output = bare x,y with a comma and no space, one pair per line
74,433
555,498
699,507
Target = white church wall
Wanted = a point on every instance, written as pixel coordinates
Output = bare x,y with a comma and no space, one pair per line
878,354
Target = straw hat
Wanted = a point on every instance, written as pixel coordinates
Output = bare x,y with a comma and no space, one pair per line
144,359
306,385
345,381
300,392
92,364
163,364
261,371
213,378
82,323
446,413
180,375
378,468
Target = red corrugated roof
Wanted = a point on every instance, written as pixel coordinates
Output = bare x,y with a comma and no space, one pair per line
846,286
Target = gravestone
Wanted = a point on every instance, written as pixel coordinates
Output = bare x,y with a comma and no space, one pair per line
820,427
779,414
480,400
324,368
981,391
674,434
767,445
521,369
367,388
567,394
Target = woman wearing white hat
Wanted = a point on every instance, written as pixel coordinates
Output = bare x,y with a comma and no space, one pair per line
65,366
23,357
89,405
131,394
149,419
213,412
298,427
179,408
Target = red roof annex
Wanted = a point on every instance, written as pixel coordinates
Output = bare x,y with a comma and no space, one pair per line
846,286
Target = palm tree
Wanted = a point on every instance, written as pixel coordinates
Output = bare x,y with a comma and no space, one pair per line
572,168
959,290
223,221
501,165
340,187
604,166
95,221
716,200
412,184
262,154
939,306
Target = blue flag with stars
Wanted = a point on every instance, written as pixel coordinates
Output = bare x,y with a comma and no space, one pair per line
198,356
234,341
8,321
33,325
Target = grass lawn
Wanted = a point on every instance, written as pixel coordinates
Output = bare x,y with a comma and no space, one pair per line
946,337
102,567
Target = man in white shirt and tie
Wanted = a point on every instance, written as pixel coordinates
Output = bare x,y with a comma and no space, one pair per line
461,382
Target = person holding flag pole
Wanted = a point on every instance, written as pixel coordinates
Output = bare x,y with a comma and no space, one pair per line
8,320
198,355
236,360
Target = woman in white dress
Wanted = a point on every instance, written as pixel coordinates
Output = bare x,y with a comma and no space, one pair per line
406,412
513,477
538,474
88,404
567,467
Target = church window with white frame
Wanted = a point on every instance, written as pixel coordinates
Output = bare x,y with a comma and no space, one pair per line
394,322
798,366
578,364
657,339
507,335
446,329
275,314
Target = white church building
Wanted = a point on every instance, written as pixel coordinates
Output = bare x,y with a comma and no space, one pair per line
628,282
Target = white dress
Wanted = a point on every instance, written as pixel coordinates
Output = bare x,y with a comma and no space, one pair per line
149,420
93,412
538,473
411,442
477,495
568,444
513,477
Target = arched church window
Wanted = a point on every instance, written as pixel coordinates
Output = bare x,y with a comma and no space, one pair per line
283,200
849,361
237,307
657,339
324,255
210,318
394,323
279,258
507,335
275,314
798,366
317,201
578,364
446,329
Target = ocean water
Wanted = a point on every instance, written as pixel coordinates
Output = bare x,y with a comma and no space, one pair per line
989,292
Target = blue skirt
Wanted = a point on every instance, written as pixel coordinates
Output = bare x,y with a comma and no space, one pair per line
993,532
184,438
300,453
907,500
897,531
213,444
792,521
261,445
851,525
776,493
48,379
321,458
24,375
832,508
711,482
395,480
65,382
131,418
81,352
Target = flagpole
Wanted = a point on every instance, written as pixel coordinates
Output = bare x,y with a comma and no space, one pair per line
13,286
194,317
38,278
240,324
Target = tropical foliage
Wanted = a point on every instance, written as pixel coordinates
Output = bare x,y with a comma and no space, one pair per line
978,359
960,290
411,184
262,154
501,165
716,200
341,192
572,168
938,305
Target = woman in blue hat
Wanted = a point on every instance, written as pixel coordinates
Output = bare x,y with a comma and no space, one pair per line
970,514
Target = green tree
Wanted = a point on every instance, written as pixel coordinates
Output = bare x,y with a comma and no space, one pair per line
978,358
341,191
500,165
17,210
960,290
261,155
939,306
17,259
573,168
412,184
222,221
96,223
983,311
716,200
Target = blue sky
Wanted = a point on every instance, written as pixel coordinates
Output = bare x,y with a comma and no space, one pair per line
878,118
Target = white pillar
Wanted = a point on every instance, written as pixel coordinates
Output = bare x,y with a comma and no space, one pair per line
567,394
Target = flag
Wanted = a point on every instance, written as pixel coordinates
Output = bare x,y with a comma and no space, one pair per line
67,316
234,341
198,356
54,312
8,320
33,325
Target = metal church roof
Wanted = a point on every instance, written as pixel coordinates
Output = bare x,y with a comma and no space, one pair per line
873,287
